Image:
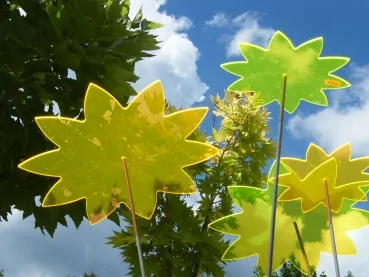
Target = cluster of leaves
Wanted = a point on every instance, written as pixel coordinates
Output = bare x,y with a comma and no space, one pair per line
290,270
38,46
177,235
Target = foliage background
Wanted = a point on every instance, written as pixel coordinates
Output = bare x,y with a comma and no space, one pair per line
99,43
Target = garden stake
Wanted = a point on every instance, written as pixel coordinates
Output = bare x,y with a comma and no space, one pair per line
275,192
333,240
133,213
302,248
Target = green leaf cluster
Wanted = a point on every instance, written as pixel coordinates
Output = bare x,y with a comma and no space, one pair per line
94,38
177,241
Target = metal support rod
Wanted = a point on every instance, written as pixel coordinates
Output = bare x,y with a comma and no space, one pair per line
277,163
302,248
331,229
133,213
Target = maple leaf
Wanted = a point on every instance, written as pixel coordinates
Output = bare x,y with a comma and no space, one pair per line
308,73
252,226
89,158
346,178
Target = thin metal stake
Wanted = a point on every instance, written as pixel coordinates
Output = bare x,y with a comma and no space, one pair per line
302,248
333,240
133,213
275,193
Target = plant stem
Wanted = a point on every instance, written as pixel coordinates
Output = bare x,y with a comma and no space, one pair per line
204,228
168,220
275,192
331,229
133,213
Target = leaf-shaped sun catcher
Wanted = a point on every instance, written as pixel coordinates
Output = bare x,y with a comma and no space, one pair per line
345,177
252,226
308,73
89,158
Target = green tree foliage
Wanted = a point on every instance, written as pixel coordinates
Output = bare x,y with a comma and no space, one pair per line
177,241
91,274
95,39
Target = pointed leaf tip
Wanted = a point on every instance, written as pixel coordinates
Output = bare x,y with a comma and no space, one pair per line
314,46
236,68
151,96
278,40
93,90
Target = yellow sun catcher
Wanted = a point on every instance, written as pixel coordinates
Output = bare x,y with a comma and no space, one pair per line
308,73
252,225
300,180
89,158
344,176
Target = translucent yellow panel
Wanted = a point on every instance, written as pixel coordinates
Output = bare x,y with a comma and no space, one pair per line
252,226
345,177
89,158
301,199
308,74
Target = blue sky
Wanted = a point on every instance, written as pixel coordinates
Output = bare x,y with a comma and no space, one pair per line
195,43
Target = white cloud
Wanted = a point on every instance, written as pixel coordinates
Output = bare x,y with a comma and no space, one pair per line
175,63
357,264
218,20
25,252
346,120
193,200
248,30
244,28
